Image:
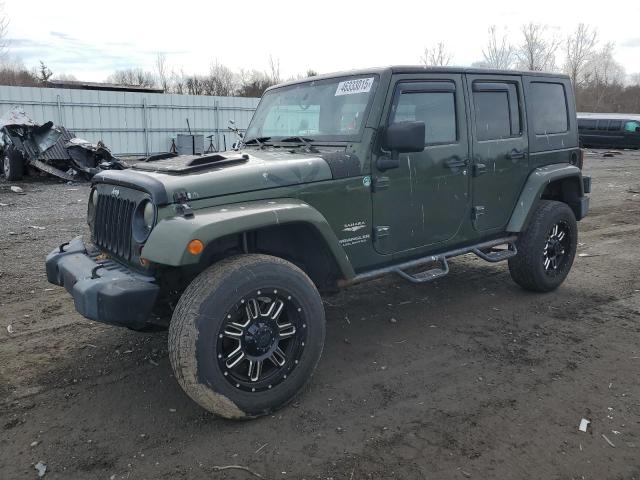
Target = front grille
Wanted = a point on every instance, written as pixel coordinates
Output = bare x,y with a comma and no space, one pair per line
112,225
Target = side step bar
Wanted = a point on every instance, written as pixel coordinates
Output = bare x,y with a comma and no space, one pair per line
483,250
427,275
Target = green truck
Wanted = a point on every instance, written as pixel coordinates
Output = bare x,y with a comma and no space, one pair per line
338,179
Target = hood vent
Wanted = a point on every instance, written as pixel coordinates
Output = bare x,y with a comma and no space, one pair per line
182,164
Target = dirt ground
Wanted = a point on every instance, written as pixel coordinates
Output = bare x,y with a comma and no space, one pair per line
469,377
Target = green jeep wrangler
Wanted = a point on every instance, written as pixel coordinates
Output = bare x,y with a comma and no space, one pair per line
339,179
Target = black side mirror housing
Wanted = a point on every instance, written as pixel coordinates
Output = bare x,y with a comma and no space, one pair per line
404,137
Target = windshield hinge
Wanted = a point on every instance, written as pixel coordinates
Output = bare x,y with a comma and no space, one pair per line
183,208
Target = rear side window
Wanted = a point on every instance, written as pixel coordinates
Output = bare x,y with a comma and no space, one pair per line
615,125
587,124
436,109
602,125
548,105
497,110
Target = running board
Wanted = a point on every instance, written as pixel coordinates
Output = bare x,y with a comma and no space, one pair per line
494,256
427,275
483,250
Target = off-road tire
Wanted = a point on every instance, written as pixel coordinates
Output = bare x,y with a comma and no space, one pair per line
12,165
201,315
527,268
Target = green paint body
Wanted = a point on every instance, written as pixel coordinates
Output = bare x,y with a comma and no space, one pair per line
370,218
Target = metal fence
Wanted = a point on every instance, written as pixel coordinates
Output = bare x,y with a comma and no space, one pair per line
132,123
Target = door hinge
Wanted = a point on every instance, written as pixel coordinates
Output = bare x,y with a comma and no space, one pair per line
379,183
382,231
476,212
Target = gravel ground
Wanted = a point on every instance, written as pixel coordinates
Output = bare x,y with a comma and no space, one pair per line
473,377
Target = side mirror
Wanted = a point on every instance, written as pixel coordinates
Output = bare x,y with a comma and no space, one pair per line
404,137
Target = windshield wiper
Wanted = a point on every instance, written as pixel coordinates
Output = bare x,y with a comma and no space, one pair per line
257,140
306,142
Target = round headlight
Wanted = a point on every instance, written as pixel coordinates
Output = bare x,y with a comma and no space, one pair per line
149,215
144,218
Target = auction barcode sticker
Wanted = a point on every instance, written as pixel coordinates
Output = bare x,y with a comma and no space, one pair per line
350,87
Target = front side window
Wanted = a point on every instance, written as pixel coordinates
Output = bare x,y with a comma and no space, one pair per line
549,108
323,110
632,127
436,109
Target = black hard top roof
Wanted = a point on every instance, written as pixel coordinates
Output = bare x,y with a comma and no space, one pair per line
421,69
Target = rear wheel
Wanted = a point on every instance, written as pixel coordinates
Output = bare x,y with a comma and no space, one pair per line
546,249
13,164
246,335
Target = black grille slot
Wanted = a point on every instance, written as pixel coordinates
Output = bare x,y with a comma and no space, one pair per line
112,225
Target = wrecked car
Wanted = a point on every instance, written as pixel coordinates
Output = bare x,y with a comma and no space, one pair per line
339,179
50,149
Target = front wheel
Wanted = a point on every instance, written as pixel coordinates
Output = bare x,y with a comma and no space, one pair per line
13,165
247,335
546,249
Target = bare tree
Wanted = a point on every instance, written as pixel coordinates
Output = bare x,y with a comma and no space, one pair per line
274,70
634,79
221,81
44,73
195,85
16,74
579,48
537,52
437,56
178,82
311,73
498,53
133,77
162,71
4,29
65,77
253,83
602,68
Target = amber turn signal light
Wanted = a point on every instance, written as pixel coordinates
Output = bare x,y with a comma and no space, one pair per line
195,247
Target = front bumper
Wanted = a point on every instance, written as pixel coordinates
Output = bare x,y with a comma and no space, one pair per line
102,290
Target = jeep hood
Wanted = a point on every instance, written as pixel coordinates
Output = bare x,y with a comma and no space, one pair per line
199,177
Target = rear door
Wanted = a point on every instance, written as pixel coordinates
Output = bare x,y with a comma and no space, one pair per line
425,199
500,148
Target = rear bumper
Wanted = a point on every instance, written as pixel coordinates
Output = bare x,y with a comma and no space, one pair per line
102,290
581,208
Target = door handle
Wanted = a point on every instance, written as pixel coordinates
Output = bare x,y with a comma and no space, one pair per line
517,154
479,169
456,162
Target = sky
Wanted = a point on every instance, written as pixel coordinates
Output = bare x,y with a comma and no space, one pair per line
91,39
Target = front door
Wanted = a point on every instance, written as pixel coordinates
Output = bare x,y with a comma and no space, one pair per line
500,148
423,201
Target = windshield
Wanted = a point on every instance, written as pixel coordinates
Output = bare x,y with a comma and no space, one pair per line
321,110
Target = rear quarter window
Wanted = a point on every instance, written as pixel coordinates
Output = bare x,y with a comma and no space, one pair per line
548,104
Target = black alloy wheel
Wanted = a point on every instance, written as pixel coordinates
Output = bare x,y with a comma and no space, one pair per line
261,340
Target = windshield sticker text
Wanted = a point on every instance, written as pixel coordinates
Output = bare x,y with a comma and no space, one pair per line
350,87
